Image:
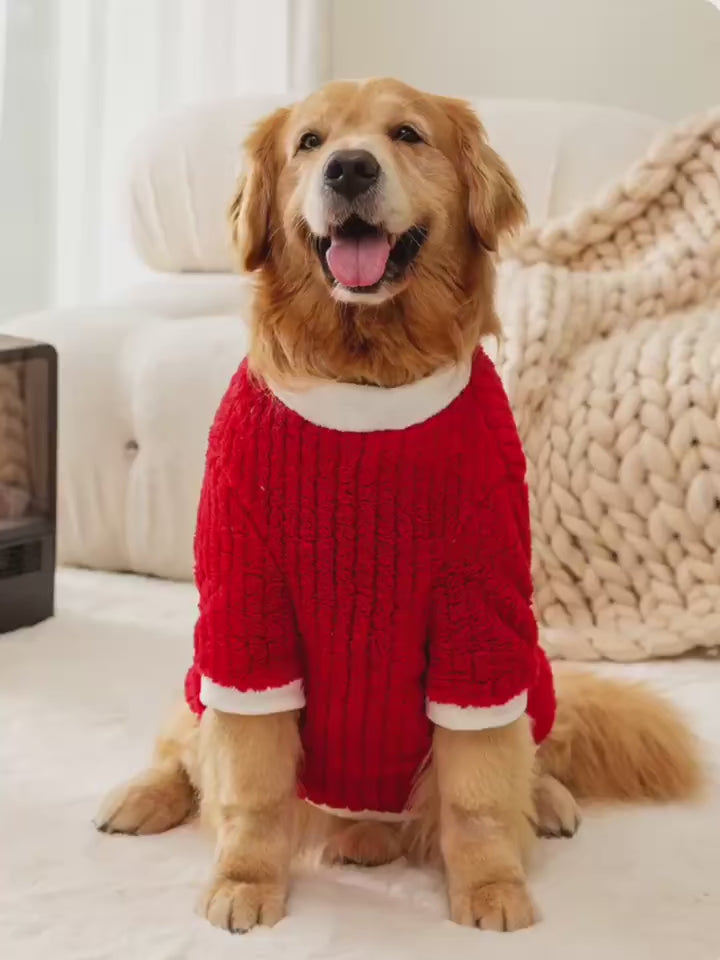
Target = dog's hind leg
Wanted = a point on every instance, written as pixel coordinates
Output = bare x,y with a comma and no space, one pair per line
557,813
163,795
365,843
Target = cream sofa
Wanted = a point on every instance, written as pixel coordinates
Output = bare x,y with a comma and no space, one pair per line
80,695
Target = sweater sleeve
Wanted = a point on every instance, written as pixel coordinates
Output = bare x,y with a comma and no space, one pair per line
483,634
246,645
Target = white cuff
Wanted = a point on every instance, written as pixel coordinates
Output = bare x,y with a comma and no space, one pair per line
477,718
252,703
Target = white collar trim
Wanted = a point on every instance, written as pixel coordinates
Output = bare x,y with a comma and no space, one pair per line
355,408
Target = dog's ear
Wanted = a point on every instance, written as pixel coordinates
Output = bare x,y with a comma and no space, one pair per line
495,204
251,210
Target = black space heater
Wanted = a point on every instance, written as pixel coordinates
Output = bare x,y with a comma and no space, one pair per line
28,440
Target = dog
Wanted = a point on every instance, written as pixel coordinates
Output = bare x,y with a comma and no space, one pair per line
370,214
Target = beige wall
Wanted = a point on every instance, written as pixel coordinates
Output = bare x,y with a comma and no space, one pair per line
658,56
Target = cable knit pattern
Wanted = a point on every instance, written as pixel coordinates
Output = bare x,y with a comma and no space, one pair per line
612,365
376,568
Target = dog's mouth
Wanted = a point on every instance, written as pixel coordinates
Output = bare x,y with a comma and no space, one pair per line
361,256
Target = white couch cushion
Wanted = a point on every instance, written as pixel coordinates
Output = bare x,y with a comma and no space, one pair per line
138,391
189,294
185,168
182,176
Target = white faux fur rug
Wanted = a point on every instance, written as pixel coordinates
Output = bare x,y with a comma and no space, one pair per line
80,697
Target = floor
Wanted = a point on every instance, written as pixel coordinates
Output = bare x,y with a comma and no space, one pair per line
79,698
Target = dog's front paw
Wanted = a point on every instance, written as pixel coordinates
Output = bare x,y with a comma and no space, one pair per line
238,907
500,906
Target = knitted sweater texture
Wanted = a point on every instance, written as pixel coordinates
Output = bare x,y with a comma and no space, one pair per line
377,580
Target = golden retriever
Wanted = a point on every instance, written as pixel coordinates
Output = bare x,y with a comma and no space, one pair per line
413,179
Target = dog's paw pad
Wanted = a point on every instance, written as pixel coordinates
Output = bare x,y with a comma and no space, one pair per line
153,802
502,907
556,811
238,907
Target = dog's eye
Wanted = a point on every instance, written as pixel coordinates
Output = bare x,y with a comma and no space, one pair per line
406,134
310,141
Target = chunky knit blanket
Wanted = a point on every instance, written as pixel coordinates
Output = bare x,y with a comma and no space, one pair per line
612,364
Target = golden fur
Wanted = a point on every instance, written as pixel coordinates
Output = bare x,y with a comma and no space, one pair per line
460,187
485,794
615,741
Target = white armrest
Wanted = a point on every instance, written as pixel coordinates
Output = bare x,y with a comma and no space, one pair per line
138,392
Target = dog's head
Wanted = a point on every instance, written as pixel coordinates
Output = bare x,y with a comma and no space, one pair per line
370,209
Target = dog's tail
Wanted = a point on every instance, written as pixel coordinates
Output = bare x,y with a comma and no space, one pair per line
620,741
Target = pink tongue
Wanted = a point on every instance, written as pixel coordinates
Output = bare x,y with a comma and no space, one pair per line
358,262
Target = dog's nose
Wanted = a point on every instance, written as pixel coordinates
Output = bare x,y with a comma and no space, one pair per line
351,172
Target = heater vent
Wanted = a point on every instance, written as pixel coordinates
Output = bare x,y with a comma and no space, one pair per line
20,558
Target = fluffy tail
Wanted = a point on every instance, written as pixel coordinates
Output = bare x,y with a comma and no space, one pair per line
620,741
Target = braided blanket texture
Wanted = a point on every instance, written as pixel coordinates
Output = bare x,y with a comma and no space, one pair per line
612,365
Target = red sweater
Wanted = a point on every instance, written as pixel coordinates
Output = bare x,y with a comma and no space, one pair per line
376,576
